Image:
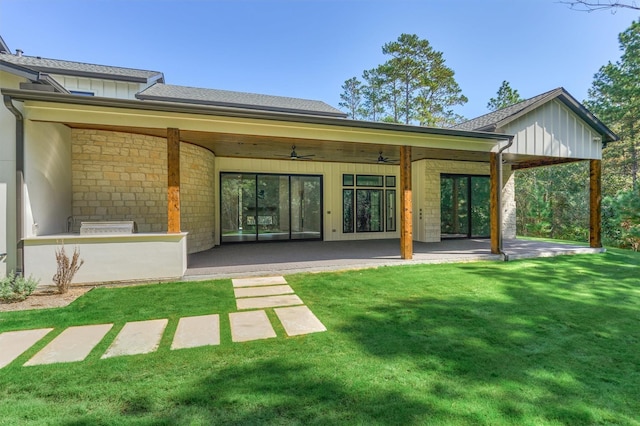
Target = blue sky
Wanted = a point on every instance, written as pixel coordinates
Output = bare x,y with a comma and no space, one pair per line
308,48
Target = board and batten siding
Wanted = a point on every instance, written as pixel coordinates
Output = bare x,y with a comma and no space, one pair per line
553,130
101,87
331,184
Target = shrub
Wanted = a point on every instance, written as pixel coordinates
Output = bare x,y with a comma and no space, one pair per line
67,268
14,288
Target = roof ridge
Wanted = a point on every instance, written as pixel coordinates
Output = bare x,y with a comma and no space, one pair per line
80,62
513,106
235,91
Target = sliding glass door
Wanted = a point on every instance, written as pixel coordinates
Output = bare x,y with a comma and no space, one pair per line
270,207
464,206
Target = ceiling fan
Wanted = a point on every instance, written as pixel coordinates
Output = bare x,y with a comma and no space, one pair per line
295,156
385,160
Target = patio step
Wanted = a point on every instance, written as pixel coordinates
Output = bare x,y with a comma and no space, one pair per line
197,331
252,325
135,338
262,291
73,344
257,281
15,343
299,320
268,302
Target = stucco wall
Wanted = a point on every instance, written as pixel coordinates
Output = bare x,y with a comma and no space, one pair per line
122,176
47,178
426,196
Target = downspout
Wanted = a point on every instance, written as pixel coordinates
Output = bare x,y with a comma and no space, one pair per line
19,181
505,256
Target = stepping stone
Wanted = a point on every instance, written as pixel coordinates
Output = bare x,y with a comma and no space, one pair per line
73,344
255,282
15,343
262,291
197,331
299,320
268,302
252,325
139,337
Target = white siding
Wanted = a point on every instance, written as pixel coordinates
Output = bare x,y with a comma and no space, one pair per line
332,187
553,130
101,87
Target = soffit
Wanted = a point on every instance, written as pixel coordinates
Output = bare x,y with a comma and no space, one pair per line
278,148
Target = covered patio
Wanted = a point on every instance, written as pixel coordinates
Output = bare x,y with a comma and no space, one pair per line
279,258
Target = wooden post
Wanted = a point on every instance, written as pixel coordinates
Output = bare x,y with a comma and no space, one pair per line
406,207
494,208
173,181
595,201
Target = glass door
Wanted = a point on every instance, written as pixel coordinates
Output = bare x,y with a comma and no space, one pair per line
454,201
480,197
270,207
273,207
306,207
238,207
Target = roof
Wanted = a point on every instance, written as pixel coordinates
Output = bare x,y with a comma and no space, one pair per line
225,98
80,69
226,111
4,48
494,120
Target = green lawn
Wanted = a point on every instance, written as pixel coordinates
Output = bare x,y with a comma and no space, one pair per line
546,341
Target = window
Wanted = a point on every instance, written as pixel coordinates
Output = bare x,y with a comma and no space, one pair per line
347,211
368,207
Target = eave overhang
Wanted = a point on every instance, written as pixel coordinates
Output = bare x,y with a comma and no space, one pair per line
97,112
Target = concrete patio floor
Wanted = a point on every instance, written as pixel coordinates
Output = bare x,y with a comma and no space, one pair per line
281,258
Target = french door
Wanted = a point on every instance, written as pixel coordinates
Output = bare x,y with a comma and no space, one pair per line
270,207
464,206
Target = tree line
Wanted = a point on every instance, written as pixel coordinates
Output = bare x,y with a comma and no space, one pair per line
414,86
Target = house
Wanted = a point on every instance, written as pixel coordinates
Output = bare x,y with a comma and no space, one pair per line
195,168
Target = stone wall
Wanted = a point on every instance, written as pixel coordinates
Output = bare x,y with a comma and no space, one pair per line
197,196
427,197
123,176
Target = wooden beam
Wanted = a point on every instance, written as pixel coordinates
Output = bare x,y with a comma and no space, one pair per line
595,202
494,208
548,161
173,181
406,207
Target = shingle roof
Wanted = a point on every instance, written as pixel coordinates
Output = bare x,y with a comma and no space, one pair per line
490,120
193,95
56,66
494,120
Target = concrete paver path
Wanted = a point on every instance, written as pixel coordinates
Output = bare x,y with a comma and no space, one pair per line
268,302
73,344
15,343
299,320
272,290
139,337
252,325
197,331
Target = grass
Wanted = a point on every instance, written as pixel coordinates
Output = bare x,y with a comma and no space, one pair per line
545,341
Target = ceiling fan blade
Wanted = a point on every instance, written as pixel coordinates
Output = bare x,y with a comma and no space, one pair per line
295,156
